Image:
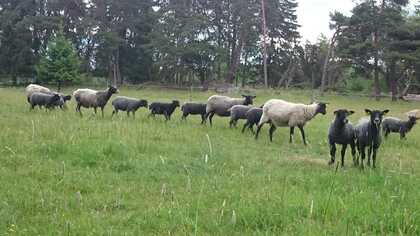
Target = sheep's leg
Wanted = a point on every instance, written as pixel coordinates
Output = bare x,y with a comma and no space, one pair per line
134,114
272,129
94,109
251,127
114,112
128,113
203,119
184,116
386,133
353,153
369,155
258,130
333,148
102,111
231,123
292,132
374,157
402,135
166,116
343,154
211,118
362,153
303,134
245,125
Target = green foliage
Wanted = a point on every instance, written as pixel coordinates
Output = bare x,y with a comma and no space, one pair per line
60,62
144,176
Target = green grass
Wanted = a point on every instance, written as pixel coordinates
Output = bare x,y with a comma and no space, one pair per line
65,175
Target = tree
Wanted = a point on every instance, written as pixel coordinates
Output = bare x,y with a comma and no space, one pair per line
59,63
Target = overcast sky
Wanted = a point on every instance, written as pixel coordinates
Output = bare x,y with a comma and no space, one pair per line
314,16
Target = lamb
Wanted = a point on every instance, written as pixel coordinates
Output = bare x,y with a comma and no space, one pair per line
280,113
165,109
127,104
395,125
237,112
194,109
32,88
368,135
92,98
220,105
341,132
253,116
42,99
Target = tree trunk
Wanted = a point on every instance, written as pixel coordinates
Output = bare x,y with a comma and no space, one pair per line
59,85
236,59
377,89
264,44
327,59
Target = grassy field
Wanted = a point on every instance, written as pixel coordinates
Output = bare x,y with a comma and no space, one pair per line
61,174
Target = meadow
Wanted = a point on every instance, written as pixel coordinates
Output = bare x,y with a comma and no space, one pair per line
62,174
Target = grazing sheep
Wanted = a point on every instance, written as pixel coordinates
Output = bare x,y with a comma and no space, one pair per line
194,109
395,125
237,112
280,113
127,104
220,105
165,109
368,134
253,116
341,132
91,98
42,99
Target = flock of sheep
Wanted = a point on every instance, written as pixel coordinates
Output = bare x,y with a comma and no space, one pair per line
275,112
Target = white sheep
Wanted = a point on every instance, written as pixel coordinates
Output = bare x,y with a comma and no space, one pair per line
35,88
220,105
92,98
280,113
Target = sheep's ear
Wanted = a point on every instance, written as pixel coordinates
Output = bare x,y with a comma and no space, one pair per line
335,112
368,111
351,112
385,111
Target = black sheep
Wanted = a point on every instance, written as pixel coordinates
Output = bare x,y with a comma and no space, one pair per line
42,99
341,132
395,125
253,116
166,109
194,109
368,134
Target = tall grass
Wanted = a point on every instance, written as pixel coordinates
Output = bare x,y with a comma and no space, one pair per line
61,174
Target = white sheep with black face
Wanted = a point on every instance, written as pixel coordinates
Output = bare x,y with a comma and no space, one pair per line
91,98
220,105
280,113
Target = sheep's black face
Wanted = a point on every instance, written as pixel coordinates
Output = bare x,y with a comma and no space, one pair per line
67,98
341,116
112,89
55,97
376,116
176,103
143,103
322,108
249,100
412,119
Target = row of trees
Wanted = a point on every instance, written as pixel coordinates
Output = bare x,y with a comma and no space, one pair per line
197,41
179,41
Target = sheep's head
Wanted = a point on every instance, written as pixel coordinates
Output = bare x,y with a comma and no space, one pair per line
376,116
321,108
55,97
412,119
66,98
113,89
175,103
143,103
341,116
248,99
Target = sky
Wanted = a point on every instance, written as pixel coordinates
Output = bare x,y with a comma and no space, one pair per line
314,16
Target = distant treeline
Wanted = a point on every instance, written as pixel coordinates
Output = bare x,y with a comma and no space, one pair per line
188,42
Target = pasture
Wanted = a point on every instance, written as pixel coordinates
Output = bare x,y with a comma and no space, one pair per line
61,174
